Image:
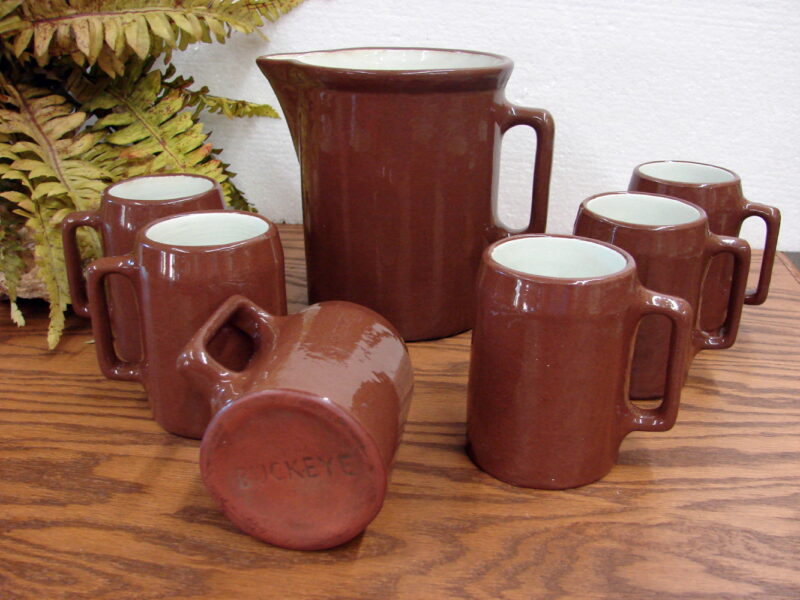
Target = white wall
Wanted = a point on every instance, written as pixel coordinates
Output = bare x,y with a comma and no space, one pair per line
627,82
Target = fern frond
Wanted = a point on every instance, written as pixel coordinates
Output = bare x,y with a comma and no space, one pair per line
49,146
202,100
12,265
146,124
48,253
227,106
44,157
110,32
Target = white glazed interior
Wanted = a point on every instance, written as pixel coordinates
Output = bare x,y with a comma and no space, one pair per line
643,209
394,59
207,229
686,172
164,187
566,258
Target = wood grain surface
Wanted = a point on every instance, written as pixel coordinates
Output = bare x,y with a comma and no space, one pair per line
97,502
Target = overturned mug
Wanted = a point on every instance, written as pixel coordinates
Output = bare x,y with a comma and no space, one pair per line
551,356
717,191
399,151
670,241
125,208
303,438
183,268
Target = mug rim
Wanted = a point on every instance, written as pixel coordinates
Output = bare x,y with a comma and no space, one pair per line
144,241
701,220
108,196
736,180
628,270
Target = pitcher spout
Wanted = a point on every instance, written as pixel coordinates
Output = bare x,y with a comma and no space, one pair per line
277,69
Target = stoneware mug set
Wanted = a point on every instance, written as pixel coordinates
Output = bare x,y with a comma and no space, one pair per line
301,415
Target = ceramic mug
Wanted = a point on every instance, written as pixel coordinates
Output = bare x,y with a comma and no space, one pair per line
551,357
399,151
670,241
126,207
182,268
717,191
303,438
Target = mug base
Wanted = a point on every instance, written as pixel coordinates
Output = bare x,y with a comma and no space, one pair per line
537,481
293,469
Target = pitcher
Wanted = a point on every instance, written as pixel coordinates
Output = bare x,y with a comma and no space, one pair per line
399,151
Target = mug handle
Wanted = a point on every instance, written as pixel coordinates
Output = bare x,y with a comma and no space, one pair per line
772,219
72,256
110,364
541,121
196,362
681,314
740,250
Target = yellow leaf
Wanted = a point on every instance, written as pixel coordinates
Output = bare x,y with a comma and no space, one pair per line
58,216
16,315
55,128
217,28
26,164
95,39
22,41
80,28
161,27
48,188
43,33
79,145
6,6
113,35
138,37
185,24
17,198
62,40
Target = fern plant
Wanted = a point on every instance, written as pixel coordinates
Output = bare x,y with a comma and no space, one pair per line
82,105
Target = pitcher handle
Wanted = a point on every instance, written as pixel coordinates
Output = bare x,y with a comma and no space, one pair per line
72,257
541,121
772,219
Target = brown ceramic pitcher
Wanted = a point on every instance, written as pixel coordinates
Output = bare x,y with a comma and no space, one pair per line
551,358
126,207
673,248
182,268
303,438
717,191
399,151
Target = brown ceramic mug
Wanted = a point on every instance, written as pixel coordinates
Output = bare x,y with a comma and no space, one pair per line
126,207
551,359
182,268
300,447
399,151
670,241
718,192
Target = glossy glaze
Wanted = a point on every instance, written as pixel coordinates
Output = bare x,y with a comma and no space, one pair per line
727,208
118,221
671,259
547,397
303,438
399,178
177,289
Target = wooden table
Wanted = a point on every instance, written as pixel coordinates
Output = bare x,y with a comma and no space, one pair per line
97,502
